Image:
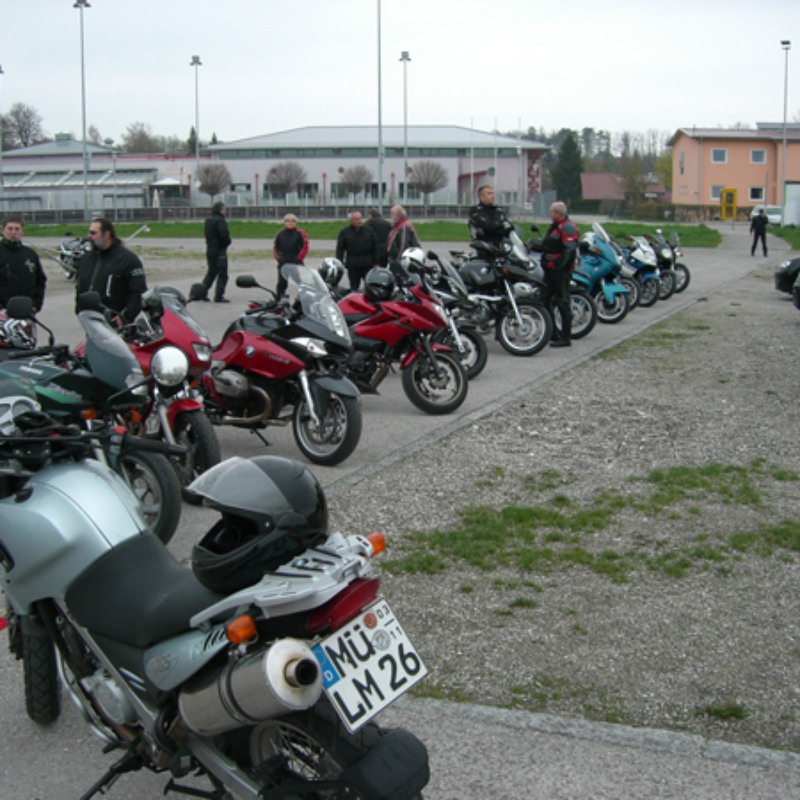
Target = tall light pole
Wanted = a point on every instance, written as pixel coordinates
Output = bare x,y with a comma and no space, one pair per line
80,5
380,119
786,45
404,57
196,63
1,147
110,143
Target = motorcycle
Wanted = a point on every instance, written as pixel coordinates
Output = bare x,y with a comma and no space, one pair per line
641,259
390,323
259,669
597,270
682,274
280,364
103,385
666,260
175,413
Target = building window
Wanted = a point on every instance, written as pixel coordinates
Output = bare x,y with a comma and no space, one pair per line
681,162
716,193
719,155
757,194
758,156
240,187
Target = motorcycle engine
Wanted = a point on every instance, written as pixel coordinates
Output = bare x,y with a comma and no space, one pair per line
479,313
361,364
231,384
110,699
527,291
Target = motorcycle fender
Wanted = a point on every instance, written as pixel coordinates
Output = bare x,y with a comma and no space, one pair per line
179,406
412,355
611,290
171,663
323,385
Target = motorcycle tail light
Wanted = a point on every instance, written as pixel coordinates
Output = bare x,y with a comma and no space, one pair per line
89,413
378,542
241,630
345,606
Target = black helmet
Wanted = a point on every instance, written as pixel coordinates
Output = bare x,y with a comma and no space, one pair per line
331,270
272,508
379,284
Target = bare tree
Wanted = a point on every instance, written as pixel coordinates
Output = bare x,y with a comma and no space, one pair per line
214,179
93,135
138,138
428,177
284,177
22,126
356,179
634,177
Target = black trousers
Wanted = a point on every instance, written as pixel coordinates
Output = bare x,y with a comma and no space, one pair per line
756,236
217,271
558,281
355,275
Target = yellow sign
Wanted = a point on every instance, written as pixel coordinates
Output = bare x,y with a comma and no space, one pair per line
727,209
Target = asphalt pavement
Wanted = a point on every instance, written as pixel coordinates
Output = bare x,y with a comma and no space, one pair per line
476,752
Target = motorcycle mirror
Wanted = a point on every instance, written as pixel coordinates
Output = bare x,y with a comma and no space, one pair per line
198,291
432,256
246,282
89,301
535,228
68,233
19,308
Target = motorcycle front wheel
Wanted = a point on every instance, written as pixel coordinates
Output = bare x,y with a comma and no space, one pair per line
193,430
683,277
432,393
337,435
151,478
612,312
634,287
669,283
531,336
650,291
475,350
42,686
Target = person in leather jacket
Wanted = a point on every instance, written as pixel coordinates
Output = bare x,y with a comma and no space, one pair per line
113,271
290,247
21,273
357,249
758,227
486,221
218,239
559,248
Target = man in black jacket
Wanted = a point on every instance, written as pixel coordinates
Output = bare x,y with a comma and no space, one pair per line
21,273
113,271
486,220
218,240
381,228
559,249
357,249
758,227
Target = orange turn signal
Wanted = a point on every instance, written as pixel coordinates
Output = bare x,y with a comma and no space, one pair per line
242,629
378,542
89,413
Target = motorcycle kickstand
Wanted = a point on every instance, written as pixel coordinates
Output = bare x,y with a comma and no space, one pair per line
260,436
130,762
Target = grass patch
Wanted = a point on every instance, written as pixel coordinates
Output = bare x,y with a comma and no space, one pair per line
726,711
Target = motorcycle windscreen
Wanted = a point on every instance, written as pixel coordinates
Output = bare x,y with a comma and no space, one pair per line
307,286
109,358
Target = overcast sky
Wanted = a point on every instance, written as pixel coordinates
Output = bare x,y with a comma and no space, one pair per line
271,66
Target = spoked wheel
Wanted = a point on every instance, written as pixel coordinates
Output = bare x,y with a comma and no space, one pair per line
529,337
612,312
193,430
634,287
684,277
584,316
475,352
669,283
650,293
337,434
152,479
436,393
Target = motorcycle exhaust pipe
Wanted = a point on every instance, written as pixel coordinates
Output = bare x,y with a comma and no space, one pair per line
282,679
378,377
249,420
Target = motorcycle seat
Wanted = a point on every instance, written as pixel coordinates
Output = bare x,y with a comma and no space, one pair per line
138,593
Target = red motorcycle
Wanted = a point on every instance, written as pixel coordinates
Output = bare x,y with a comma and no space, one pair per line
390,325
279,364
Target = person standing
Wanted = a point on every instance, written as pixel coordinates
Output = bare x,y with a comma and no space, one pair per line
290,247
402,235
218,240
486,221
357,249
381,228
21,273
113,271
758,227
559,248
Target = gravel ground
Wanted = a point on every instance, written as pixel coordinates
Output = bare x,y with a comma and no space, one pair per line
679,611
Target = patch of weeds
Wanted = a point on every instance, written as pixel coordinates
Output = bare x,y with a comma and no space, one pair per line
579,630
466,589
523,602
532,585
726,711
544,481
504,612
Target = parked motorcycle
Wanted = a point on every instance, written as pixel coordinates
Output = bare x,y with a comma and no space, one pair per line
597,270
279,364
682,274
666,260
391,323
260,668
641,258
103,385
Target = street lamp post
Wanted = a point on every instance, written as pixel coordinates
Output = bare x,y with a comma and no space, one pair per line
196,63
110,143
80,5
1,149
380,119
405,59
786,44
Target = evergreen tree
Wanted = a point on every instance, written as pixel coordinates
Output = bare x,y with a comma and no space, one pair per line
566,173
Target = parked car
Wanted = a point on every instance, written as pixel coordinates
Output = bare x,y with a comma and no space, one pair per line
786,275
774,213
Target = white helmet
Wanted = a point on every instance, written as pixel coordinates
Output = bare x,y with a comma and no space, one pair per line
331,270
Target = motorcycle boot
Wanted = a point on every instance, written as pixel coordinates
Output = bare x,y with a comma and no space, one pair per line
565,335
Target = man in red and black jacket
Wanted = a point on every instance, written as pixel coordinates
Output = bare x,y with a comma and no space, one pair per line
559,248
290,247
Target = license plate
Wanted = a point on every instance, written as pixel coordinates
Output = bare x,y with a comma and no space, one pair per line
368,664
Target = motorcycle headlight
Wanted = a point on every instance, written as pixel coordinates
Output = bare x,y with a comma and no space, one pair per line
202,351
316,347
170,366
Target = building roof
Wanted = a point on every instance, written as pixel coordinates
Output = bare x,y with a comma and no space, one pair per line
392,135
765,131
63,145
68,178
608,186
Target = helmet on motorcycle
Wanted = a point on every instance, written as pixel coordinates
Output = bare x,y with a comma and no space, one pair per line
379,284
19,333
272,509
413,259
331,270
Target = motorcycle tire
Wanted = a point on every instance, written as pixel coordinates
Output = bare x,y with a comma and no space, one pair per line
529,338
153,480
475,350
311,745
613,312
584,316
42,687
669,283
634,287
339,434
432,394
650,293
684,277
193,430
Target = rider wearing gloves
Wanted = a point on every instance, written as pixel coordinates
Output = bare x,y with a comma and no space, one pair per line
559,247
486,220
21,272
113,271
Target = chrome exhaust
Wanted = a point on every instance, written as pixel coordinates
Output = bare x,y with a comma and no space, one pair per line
248,420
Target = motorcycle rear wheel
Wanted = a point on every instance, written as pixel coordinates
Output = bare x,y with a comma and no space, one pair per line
684,277
584,316
669,283
337,436
531,336
152,479
475,352
193,430
650,293
432,394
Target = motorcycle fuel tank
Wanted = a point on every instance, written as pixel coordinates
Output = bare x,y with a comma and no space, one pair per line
477,275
